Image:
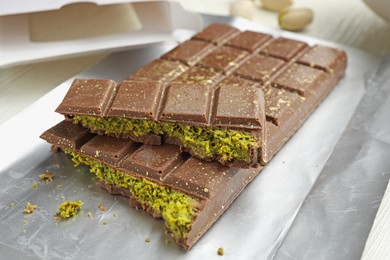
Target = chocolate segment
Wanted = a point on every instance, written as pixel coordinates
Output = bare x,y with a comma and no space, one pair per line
247,102
249,40
199,76
260,68
321,57
281,104
136,99
301,79
215,109
159,70
187,193
189,52
187,102
224,59
80,98
216,33
284,48
67,137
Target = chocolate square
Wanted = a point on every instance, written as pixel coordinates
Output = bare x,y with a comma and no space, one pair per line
159,70
87,97
249,40
259,68
284,48
136,99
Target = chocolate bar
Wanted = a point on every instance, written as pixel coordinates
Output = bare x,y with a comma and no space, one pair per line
225,95
187,193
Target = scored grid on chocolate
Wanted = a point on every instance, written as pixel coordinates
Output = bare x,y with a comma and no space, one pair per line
212,57
190,87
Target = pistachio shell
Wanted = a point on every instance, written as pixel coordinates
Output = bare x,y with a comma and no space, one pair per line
276,5
243,8
295,19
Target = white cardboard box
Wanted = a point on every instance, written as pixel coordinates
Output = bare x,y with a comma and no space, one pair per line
158,22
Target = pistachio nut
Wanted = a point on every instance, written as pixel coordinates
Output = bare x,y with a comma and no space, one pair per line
276,5
243,8
295,19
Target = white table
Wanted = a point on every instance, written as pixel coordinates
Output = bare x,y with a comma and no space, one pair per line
348,22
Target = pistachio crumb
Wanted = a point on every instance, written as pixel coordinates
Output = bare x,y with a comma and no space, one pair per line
101,207
90,215
105,223
114,214
147,240
30,208
220,251
167,241
35,185
25,222
59,186
68,209
47,177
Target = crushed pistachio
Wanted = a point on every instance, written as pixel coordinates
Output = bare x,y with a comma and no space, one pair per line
205,142
90,215
101,208
30,208
177,209
105,223
147,240
47,177
68,209
220,251
35,185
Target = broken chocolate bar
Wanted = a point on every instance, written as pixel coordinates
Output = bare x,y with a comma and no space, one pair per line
187,193
224,95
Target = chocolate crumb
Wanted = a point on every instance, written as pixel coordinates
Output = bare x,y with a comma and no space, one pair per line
220,251
30,208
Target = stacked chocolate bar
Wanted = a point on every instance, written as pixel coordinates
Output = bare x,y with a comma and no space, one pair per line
185,134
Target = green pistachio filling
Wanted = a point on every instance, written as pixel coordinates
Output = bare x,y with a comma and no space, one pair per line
205,142
176,208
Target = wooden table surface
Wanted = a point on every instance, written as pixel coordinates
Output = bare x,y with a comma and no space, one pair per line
348,22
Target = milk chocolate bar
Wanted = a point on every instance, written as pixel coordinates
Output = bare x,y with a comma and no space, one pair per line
187,193
224,95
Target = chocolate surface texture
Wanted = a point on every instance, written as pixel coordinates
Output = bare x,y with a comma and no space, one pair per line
220,79
213,185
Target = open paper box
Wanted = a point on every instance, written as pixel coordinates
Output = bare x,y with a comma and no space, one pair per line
40,30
